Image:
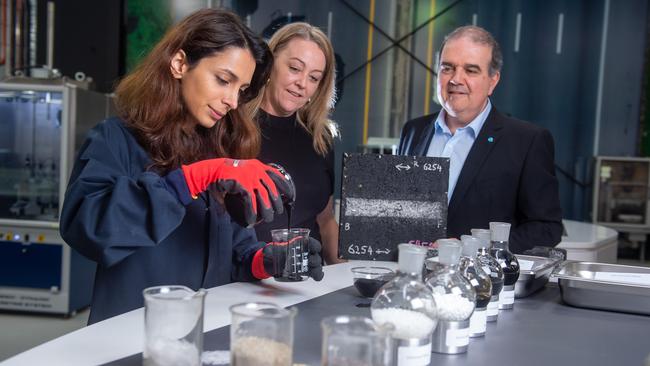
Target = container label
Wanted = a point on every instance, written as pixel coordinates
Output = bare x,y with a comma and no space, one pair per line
525,265
507,297
624,277
414,355
457,337
478,322
493,308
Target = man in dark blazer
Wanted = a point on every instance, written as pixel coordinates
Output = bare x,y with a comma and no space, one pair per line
501,169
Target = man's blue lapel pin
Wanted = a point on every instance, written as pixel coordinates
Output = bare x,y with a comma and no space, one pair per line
490,139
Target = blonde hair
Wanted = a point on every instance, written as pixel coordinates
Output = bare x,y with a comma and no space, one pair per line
313,116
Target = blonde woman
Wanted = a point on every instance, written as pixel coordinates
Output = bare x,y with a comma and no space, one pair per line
296,130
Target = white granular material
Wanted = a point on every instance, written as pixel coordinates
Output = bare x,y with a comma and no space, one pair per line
215,358
171,352
408,324
452,306
258,351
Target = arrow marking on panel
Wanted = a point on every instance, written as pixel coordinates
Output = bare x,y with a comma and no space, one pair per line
401,167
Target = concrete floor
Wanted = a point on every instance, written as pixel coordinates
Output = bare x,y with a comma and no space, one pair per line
22,331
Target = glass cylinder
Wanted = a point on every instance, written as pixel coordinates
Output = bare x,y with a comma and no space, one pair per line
261,334
407,304
349,340
491,267
173,324
471,269
500,232
293,260
455,299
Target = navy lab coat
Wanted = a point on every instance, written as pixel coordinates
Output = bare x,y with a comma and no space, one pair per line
125,218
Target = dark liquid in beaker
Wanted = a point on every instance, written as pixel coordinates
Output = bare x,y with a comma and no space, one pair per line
368,287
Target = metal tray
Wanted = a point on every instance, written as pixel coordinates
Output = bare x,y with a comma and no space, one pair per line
534,279
579,287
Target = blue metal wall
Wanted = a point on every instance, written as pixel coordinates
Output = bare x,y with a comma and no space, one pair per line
591,109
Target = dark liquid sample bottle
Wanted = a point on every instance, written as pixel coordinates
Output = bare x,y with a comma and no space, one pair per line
492,268
472,270
509,264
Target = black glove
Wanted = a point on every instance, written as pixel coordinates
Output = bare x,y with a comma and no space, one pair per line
310,263
238,204
315,262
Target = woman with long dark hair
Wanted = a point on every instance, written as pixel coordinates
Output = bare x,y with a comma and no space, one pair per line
145,198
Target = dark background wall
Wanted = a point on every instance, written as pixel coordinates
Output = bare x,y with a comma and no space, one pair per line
589,94
88,38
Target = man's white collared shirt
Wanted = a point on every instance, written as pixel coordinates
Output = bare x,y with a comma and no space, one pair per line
455,147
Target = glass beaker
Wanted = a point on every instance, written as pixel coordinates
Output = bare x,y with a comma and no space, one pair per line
368,280
355,340
173,323
261,334
293,260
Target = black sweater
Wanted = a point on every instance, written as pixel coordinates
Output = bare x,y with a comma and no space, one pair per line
286,142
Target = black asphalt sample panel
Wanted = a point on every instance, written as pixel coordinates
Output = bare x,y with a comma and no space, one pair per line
387,200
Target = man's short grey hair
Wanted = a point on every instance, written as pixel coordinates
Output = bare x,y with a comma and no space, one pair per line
480,36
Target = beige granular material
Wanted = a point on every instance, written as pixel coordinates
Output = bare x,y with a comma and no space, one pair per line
258,351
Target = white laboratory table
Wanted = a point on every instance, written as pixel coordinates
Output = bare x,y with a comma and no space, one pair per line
589,242
540,331
123,335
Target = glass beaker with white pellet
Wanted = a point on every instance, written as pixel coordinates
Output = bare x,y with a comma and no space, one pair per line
455,299
173,326
491,267
407,304
471,269
500,232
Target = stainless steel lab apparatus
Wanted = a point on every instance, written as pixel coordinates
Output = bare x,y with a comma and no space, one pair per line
43,123
603,286
534,273
621,197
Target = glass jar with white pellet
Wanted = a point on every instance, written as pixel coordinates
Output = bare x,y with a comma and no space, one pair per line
407,304
455,299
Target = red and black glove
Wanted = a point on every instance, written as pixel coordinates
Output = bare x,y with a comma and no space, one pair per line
258,188
271,260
